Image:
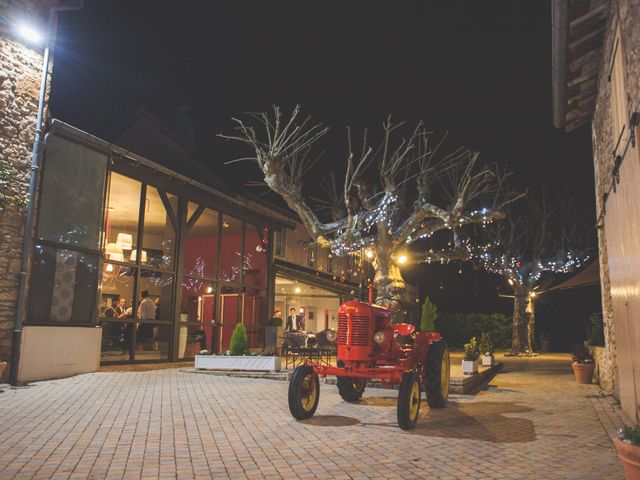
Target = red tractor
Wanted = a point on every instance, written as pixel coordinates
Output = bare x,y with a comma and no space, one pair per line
370,346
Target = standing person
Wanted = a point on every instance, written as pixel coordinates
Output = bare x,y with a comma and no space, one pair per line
292,321
147,307
121,308
146,311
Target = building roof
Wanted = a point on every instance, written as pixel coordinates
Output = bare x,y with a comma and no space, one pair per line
142,133
578,31
230,199
589,275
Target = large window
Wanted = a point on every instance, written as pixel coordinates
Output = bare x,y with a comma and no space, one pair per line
231,249
201,243
63,287
137,309
159,234
64,275
255,256
72,194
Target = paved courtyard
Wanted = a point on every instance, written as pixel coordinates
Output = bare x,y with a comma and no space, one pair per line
532,421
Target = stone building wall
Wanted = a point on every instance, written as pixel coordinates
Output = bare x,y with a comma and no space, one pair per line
20,74
619,226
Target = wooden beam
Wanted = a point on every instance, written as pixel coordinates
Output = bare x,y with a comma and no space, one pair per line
592,56
602,10
591,36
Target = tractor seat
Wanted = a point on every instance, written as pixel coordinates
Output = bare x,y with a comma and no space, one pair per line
404,329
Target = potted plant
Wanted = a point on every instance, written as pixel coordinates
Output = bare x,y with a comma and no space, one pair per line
583,365
487,348
628,447
3,367
471,354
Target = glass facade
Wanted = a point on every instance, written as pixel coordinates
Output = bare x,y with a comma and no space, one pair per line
163,275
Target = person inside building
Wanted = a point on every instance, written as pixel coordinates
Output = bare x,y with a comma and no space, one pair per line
146,311
147,307
292,321
121,308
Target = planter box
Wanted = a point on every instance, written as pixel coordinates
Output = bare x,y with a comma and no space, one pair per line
488,360
225,362
469,367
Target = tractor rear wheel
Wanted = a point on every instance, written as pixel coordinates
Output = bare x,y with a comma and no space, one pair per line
304,392
350,388
436,376
409,401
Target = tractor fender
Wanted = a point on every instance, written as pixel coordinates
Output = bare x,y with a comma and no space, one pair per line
421,344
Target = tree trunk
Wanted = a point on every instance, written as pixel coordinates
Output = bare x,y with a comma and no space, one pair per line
388,281
531,325
519,333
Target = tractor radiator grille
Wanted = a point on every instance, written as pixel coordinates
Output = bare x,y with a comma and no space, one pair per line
359,330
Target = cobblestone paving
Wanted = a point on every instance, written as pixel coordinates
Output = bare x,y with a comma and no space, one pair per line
532,421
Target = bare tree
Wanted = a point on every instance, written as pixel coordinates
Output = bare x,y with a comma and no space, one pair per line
372,212
540,238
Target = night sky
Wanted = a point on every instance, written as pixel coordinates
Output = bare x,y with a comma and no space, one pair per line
481,70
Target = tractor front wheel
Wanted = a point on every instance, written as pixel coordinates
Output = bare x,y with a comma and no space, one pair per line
409,401
436,376
304,392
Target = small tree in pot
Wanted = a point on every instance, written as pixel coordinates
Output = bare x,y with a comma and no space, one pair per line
628,447
471,354
239,340
487,348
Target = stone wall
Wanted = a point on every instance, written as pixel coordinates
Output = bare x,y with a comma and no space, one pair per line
621,202
20,74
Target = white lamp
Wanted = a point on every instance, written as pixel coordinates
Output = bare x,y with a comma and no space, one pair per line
134,256
118,257
114,252
125,241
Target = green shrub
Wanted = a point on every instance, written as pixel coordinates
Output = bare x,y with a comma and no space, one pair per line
456,328
632,434
486,344
471,350
429,315
596,336
239,340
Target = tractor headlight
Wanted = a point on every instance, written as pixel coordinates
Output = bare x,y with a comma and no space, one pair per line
379,337
332,336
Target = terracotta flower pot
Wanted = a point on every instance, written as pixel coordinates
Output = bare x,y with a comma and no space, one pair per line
3,366
583,371
630,456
